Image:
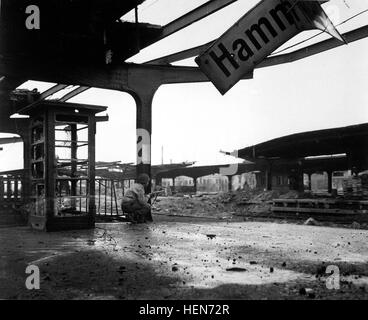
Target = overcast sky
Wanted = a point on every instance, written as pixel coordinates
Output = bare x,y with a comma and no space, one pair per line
194,121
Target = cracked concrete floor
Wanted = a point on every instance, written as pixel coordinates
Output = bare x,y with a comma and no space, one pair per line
183,258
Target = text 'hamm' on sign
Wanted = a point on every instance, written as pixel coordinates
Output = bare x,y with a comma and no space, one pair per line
262,30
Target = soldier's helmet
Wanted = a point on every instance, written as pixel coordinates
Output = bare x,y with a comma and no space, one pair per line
143,178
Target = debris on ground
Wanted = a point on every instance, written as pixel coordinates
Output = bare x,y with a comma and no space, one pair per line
307,292
355,225
247,204
184,262
236,269
218,205
311,222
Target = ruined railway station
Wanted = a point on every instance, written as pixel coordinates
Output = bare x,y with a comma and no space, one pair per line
281,214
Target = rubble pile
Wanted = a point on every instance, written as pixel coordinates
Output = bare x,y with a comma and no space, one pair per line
221,205
200,206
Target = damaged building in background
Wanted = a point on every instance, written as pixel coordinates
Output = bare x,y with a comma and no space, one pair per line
328,164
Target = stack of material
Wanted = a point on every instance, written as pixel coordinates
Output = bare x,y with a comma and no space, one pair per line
347,187
357,187
292,194
352,187
364,179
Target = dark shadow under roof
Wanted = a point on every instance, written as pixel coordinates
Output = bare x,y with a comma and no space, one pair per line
312,143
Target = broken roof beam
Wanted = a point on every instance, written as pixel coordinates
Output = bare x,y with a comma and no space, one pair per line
52,91
73,93
117,78
182,55
10,140
193,16
188,75
48,93
305,52
314,49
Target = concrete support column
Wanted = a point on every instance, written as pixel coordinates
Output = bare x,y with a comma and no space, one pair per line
158,181
1,190
143,94
329,181
300,174
268,176
195,184
310,181
301,181
230,183
267,169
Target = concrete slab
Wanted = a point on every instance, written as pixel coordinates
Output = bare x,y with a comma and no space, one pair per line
182,258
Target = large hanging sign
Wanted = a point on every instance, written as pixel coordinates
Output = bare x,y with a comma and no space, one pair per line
258,33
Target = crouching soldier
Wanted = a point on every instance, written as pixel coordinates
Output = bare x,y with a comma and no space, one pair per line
135,202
